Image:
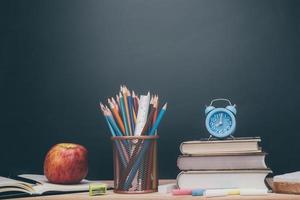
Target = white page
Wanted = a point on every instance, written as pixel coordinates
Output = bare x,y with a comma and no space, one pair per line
288,177
46,186
7,184
141,118
4,180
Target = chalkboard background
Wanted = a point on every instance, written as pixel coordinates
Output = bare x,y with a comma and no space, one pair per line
58,59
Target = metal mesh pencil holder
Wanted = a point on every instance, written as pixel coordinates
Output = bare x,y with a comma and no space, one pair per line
135,164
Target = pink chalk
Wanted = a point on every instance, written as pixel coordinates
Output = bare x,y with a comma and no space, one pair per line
182,192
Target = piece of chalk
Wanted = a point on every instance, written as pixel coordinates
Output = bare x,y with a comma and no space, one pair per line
182,192
253,192
233,191
215,193
167,188
97,189
197,192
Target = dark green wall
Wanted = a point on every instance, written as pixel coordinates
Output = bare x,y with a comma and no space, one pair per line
59,58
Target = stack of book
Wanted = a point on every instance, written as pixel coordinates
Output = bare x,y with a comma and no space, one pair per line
216,164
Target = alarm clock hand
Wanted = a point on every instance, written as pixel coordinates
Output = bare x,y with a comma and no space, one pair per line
220,121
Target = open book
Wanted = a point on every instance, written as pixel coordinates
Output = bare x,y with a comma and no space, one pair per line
38,185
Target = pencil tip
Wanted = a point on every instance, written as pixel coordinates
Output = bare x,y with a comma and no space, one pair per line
165,106
101,106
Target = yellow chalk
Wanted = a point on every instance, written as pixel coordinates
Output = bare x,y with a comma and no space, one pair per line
233,192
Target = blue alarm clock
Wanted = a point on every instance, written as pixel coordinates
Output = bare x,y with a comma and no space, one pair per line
220,122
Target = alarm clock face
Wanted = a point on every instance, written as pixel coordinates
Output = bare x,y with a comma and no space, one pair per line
220,122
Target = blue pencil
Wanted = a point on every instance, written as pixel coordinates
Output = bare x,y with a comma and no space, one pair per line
136,165
113,123
160,116
110,128
130,106
140,157
121,153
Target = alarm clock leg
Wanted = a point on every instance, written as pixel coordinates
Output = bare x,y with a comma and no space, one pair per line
232,137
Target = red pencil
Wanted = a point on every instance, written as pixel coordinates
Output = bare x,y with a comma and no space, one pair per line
155,113
135,102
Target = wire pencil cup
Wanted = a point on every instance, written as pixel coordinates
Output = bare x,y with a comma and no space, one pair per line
135,164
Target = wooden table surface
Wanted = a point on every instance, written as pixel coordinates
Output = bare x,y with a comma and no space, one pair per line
111,195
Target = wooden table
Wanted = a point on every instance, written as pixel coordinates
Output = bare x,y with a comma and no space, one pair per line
111,195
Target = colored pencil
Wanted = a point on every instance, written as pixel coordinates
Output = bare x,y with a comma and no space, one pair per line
131,162
118,100
123,89
155,112
134,117
121,153
154,108
115,112
115,104
130,109
159,118
149,120
122,106
113,122
135,102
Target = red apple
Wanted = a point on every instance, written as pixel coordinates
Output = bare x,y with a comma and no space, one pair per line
66,163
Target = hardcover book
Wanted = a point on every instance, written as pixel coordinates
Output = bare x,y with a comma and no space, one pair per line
222,179
222,161
236,145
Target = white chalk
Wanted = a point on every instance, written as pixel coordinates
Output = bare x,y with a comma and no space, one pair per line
253,192
166,188
215,193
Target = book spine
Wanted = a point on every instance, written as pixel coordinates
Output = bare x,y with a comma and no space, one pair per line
177,178
180,148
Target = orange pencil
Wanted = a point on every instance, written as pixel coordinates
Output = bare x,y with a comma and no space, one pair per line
118,103
124,89
115,104
116,115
